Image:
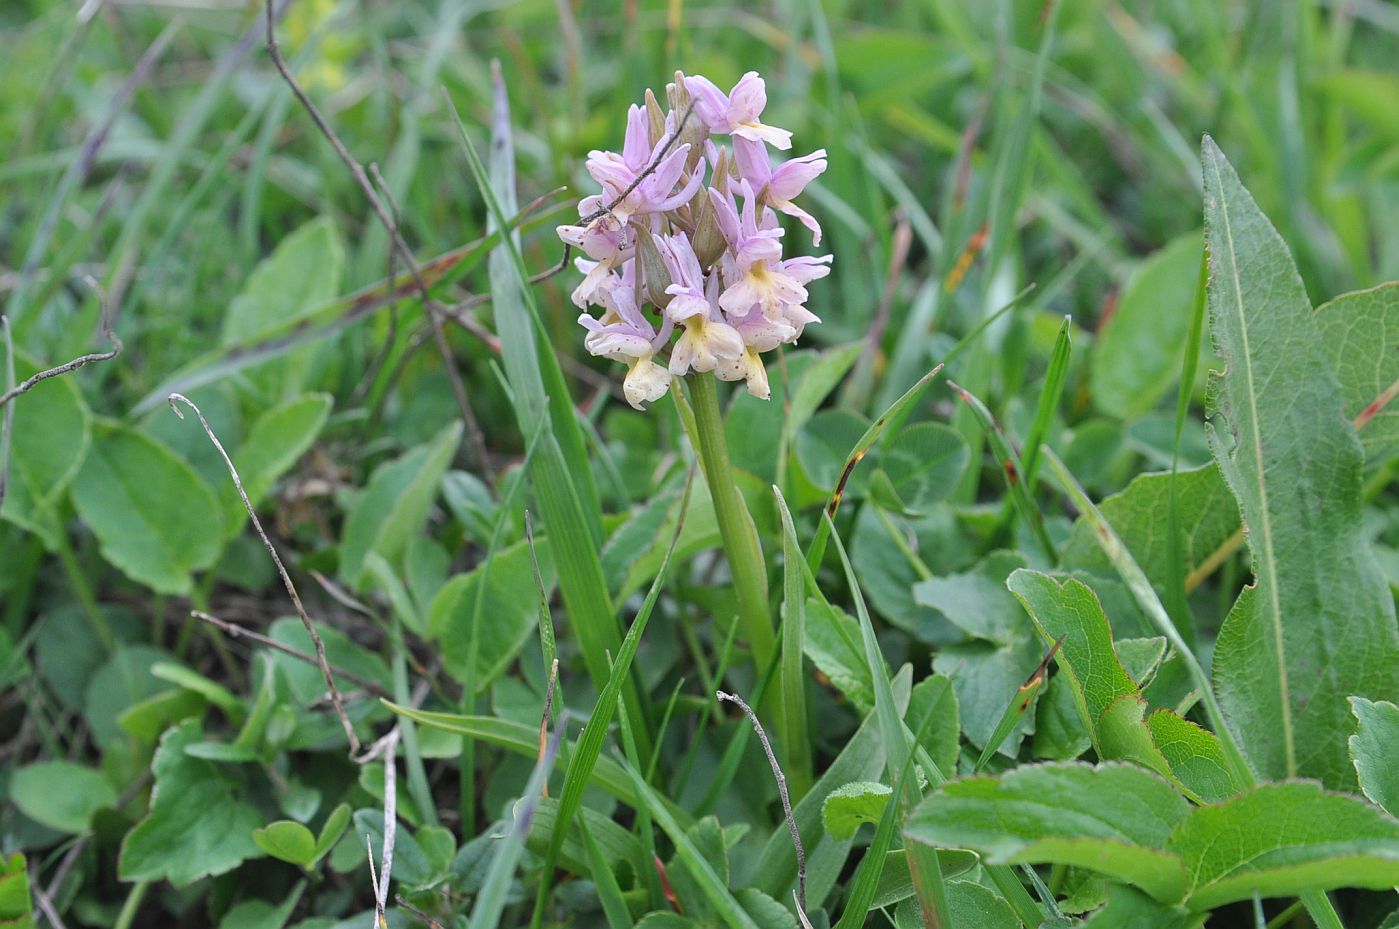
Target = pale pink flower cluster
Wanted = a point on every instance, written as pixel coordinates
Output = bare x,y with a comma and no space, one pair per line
685,235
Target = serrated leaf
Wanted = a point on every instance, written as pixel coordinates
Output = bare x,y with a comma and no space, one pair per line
62,795
1360,337
274,443
394,504
287,841
1374,750
1280,839
849,807
153,516
1115,819
1319,622
198,824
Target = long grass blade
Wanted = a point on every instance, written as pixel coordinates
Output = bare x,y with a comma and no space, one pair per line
796,745
590,745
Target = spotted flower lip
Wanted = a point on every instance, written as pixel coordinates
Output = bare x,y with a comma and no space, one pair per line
686,237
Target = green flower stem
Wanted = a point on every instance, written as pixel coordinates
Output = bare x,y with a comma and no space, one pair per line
736,527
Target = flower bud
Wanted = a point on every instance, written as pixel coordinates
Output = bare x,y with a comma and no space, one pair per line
656,118
654,274
693,130
708,238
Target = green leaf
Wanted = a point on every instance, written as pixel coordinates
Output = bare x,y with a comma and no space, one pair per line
1195,756
1205,510
275,442
919,467
1281,839
1136,358
849,807
154,518
936,696
1129,908
332,830
395,503
53,430
1071,609
287,841
198,824
1361,340
1374,750
1115,819
261,914
1319,623
510,617
16,908
832,642
300,276
62,795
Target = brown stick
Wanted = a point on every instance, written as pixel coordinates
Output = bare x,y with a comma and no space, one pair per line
236,631
321,660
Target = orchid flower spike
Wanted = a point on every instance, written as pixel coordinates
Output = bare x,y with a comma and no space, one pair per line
686,236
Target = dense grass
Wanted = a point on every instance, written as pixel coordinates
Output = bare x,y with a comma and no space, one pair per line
1015,192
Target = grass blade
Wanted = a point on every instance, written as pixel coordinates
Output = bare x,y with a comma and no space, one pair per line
590,744
1018,707
796,746
1010,463
1177,605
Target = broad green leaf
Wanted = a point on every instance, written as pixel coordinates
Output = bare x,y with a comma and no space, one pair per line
303,273
1136,357
262,914
149,718
1204,508
849,807
1318,624
198,824
919,467
1281,839
1115,819
1129,908
936,696
16,908
1374,750
988,672
52,432
832,642
154,518
394,504
1196,758
509,616
1360,338
288,841
1070,609
276,440
124,679
62,795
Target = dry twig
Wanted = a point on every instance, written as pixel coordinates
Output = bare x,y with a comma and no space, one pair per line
239,632
781,790
321,660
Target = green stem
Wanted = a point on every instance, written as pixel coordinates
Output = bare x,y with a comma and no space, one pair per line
83,589
133,903
736,529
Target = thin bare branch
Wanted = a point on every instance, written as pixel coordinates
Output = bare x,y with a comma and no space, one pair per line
7,423
781,790
30,383
381,892
239,632
321,660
